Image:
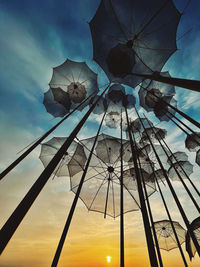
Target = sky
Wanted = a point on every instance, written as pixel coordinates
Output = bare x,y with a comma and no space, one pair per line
35,37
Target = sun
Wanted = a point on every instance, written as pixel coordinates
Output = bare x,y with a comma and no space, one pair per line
108,259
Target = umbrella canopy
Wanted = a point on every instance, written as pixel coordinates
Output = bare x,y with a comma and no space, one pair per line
198,157
77,79
150,92
101,105
130,182
190,247
165,234
177,156
192,142
72,162
133,36
186,166
101,188
54,108
161,109
154,133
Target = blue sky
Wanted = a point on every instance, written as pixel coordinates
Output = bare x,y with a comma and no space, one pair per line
38,35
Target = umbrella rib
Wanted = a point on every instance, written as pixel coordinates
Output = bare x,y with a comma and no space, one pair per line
113,195
143,62
116,19
62,75
153,17
80,74
94,154
94,176
103,182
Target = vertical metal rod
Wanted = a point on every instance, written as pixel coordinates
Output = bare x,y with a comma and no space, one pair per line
149,238
107,194
20,158
69,218
166,208
17,216
121,202
149,208
178,174
173,192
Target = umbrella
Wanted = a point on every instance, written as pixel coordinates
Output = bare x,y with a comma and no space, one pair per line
77,79
150,92
192,142
190,247
186,166
165,234
154,133
54,108
177,156
198,157
101,105
72,162
133,37
162,110
101,188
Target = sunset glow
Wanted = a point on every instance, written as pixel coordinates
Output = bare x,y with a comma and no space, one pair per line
108,259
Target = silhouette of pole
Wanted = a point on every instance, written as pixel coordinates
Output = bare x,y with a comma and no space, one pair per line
69,218
193,85
149,239
20,158
121,202
172,191
149,209
17,216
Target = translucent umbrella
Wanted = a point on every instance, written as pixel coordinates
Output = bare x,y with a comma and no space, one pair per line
149,88
101,188
154,133
77,79
54,108
192,142
165,234
72,162
198,157
186,166
190,247
130,38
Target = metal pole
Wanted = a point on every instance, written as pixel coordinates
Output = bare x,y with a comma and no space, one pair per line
149,239
20,158
121,203
17,216
69,218
193,85
149,209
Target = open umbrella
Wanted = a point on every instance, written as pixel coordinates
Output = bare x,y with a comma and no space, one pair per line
165,234
72,162
133,36
190,247
101,187
75,78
